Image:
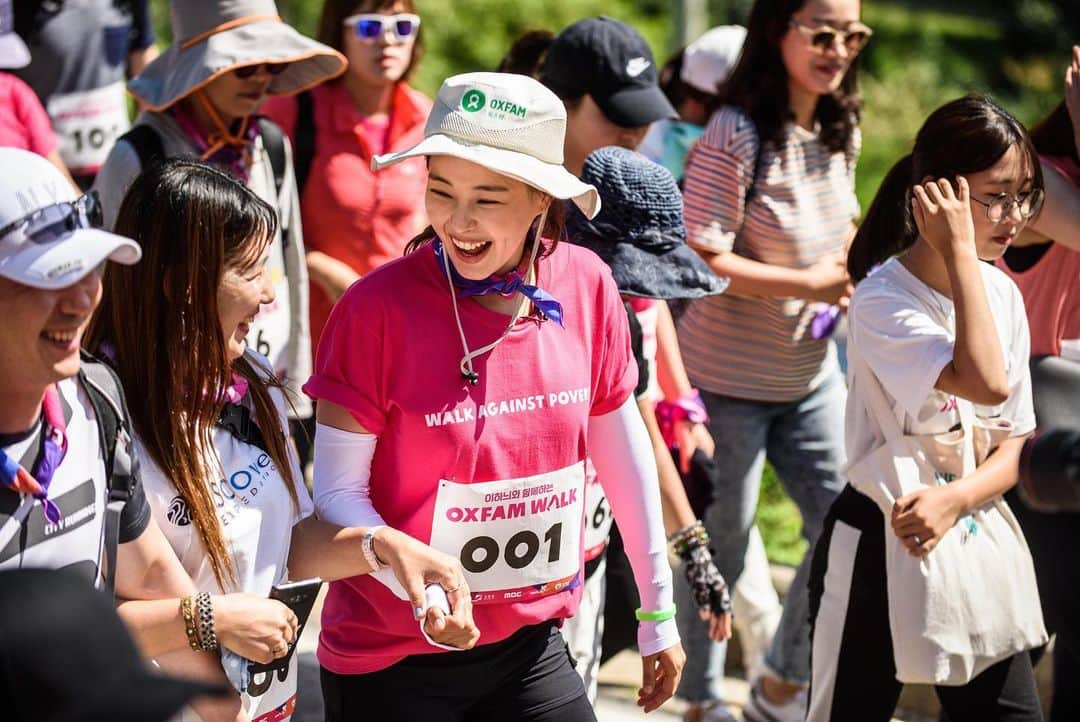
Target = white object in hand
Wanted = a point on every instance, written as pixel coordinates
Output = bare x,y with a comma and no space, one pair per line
436,598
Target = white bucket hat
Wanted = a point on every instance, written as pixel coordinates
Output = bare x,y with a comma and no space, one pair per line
510,124
47,234
214,37
709,60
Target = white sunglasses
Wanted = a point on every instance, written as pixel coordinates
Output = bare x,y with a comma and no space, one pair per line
369,26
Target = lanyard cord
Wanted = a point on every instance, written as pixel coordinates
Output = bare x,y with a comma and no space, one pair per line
465,366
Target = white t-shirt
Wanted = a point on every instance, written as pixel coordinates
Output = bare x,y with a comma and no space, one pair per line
904,331
256,514
78,488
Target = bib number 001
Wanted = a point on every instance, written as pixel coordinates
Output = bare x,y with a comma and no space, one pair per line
480,553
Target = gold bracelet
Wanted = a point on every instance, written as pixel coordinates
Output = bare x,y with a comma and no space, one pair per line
188,613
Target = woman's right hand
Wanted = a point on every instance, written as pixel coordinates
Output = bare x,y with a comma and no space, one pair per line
416,565
943,216
827,281
256,628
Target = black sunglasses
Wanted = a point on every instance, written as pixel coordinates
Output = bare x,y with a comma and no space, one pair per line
53,222
246,71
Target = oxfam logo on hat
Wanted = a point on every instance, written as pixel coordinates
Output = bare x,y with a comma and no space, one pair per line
473,101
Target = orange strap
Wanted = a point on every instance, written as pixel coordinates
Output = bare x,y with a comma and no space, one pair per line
220,136
235,23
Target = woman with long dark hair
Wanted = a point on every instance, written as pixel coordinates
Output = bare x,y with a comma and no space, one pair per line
209,416
770,204
921,574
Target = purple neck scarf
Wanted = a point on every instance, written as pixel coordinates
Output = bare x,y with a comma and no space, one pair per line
506,286
54,448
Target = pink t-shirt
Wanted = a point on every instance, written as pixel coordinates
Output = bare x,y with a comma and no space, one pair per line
492,473
23,121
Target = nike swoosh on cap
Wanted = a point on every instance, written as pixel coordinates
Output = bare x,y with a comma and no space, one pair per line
636,66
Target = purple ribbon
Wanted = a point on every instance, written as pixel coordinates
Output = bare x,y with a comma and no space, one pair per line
824,322
505,286
54,448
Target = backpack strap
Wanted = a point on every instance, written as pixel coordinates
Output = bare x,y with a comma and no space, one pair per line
107,398
304,146
238,421
147,144
273,139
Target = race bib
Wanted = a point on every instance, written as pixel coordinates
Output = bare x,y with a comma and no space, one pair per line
88,123
271,696
598,519
269,335
517,539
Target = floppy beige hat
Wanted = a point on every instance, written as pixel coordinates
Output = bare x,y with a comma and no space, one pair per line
213,37
510,124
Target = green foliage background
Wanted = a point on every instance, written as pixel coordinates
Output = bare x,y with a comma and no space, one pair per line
923,53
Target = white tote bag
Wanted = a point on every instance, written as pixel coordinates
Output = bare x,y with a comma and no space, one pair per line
972,601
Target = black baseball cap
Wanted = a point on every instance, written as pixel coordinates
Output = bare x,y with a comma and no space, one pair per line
609,61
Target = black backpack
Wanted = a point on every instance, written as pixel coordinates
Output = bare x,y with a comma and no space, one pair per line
114,434
147,144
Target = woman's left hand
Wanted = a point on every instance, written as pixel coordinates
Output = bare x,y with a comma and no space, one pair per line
922,518
660,675
690,436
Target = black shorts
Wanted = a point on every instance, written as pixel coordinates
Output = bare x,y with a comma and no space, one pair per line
529,676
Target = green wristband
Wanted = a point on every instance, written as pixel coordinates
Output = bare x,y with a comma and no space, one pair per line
661,616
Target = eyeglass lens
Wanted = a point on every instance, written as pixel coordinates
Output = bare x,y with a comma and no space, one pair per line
853,41
1002,206
248,70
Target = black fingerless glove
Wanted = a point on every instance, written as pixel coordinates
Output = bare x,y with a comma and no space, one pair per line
706,584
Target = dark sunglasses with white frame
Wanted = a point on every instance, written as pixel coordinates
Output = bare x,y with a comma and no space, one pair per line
371,26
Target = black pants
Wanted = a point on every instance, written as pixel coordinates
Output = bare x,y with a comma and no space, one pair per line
528,676
854,676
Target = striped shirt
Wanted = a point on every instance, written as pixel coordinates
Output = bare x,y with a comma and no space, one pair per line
800,211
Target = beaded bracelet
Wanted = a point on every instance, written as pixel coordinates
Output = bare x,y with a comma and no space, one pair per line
207,636
689,537
189,622
660,616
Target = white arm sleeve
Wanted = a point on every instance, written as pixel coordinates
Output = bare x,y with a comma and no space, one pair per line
620,449
342,474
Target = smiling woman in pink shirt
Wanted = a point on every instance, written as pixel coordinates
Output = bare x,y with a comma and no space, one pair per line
355,220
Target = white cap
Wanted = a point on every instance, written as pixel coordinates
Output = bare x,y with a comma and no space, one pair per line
510,124
29,184
13,51
709,60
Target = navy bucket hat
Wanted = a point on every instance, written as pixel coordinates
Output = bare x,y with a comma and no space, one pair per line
639,231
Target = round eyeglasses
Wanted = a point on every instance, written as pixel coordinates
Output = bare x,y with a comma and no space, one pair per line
371,26
1001,206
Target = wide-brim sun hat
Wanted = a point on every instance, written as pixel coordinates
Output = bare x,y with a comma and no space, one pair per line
509,124
214,37
640,231
709,60
35,196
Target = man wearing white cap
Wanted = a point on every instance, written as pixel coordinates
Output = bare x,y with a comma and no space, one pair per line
59,471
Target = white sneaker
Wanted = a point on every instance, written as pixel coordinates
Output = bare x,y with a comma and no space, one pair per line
759,709
713,712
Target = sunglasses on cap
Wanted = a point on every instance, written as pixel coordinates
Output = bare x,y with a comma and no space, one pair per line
369,26
824,38
54,222
246,71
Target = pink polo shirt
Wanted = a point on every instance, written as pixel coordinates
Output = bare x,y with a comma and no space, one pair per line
23,121
492,474
349,212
